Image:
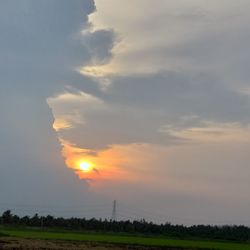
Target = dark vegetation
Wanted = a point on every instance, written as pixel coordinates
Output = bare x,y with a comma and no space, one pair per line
2,235
229,233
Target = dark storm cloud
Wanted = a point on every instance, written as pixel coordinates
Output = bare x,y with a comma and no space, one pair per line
40,45
99,44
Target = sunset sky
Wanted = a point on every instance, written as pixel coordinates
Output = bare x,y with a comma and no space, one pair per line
146,102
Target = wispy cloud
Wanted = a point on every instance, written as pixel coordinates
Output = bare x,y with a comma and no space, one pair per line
210,131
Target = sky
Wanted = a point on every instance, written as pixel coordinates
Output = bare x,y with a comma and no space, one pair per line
147,103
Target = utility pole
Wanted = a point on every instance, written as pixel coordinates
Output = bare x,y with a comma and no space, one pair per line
41,221
113,217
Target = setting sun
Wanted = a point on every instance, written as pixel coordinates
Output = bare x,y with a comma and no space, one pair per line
85,166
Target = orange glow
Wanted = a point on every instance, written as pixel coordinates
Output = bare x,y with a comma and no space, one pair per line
94,166
117,163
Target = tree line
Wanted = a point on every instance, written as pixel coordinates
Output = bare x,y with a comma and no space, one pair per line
226,232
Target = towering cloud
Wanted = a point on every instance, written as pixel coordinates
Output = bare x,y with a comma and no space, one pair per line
42,42
172,105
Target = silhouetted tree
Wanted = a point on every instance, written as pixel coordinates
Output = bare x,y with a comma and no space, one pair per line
232,233
6,217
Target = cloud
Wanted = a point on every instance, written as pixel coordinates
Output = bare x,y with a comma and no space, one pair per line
99,43
149,38
69,108
120,124
148,85
171,112
41,44
210,131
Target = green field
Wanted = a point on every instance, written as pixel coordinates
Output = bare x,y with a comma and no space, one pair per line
119,239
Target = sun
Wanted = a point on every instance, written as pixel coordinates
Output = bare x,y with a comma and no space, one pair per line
85,166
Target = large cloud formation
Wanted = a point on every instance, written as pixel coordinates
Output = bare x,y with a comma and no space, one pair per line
41,44
176,85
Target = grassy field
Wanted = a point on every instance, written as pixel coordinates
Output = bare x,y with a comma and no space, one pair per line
119,239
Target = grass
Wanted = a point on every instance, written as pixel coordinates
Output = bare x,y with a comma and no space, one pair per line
119,239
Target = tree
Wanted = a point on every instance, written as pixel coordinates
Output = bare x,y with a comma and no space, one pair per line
7,217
